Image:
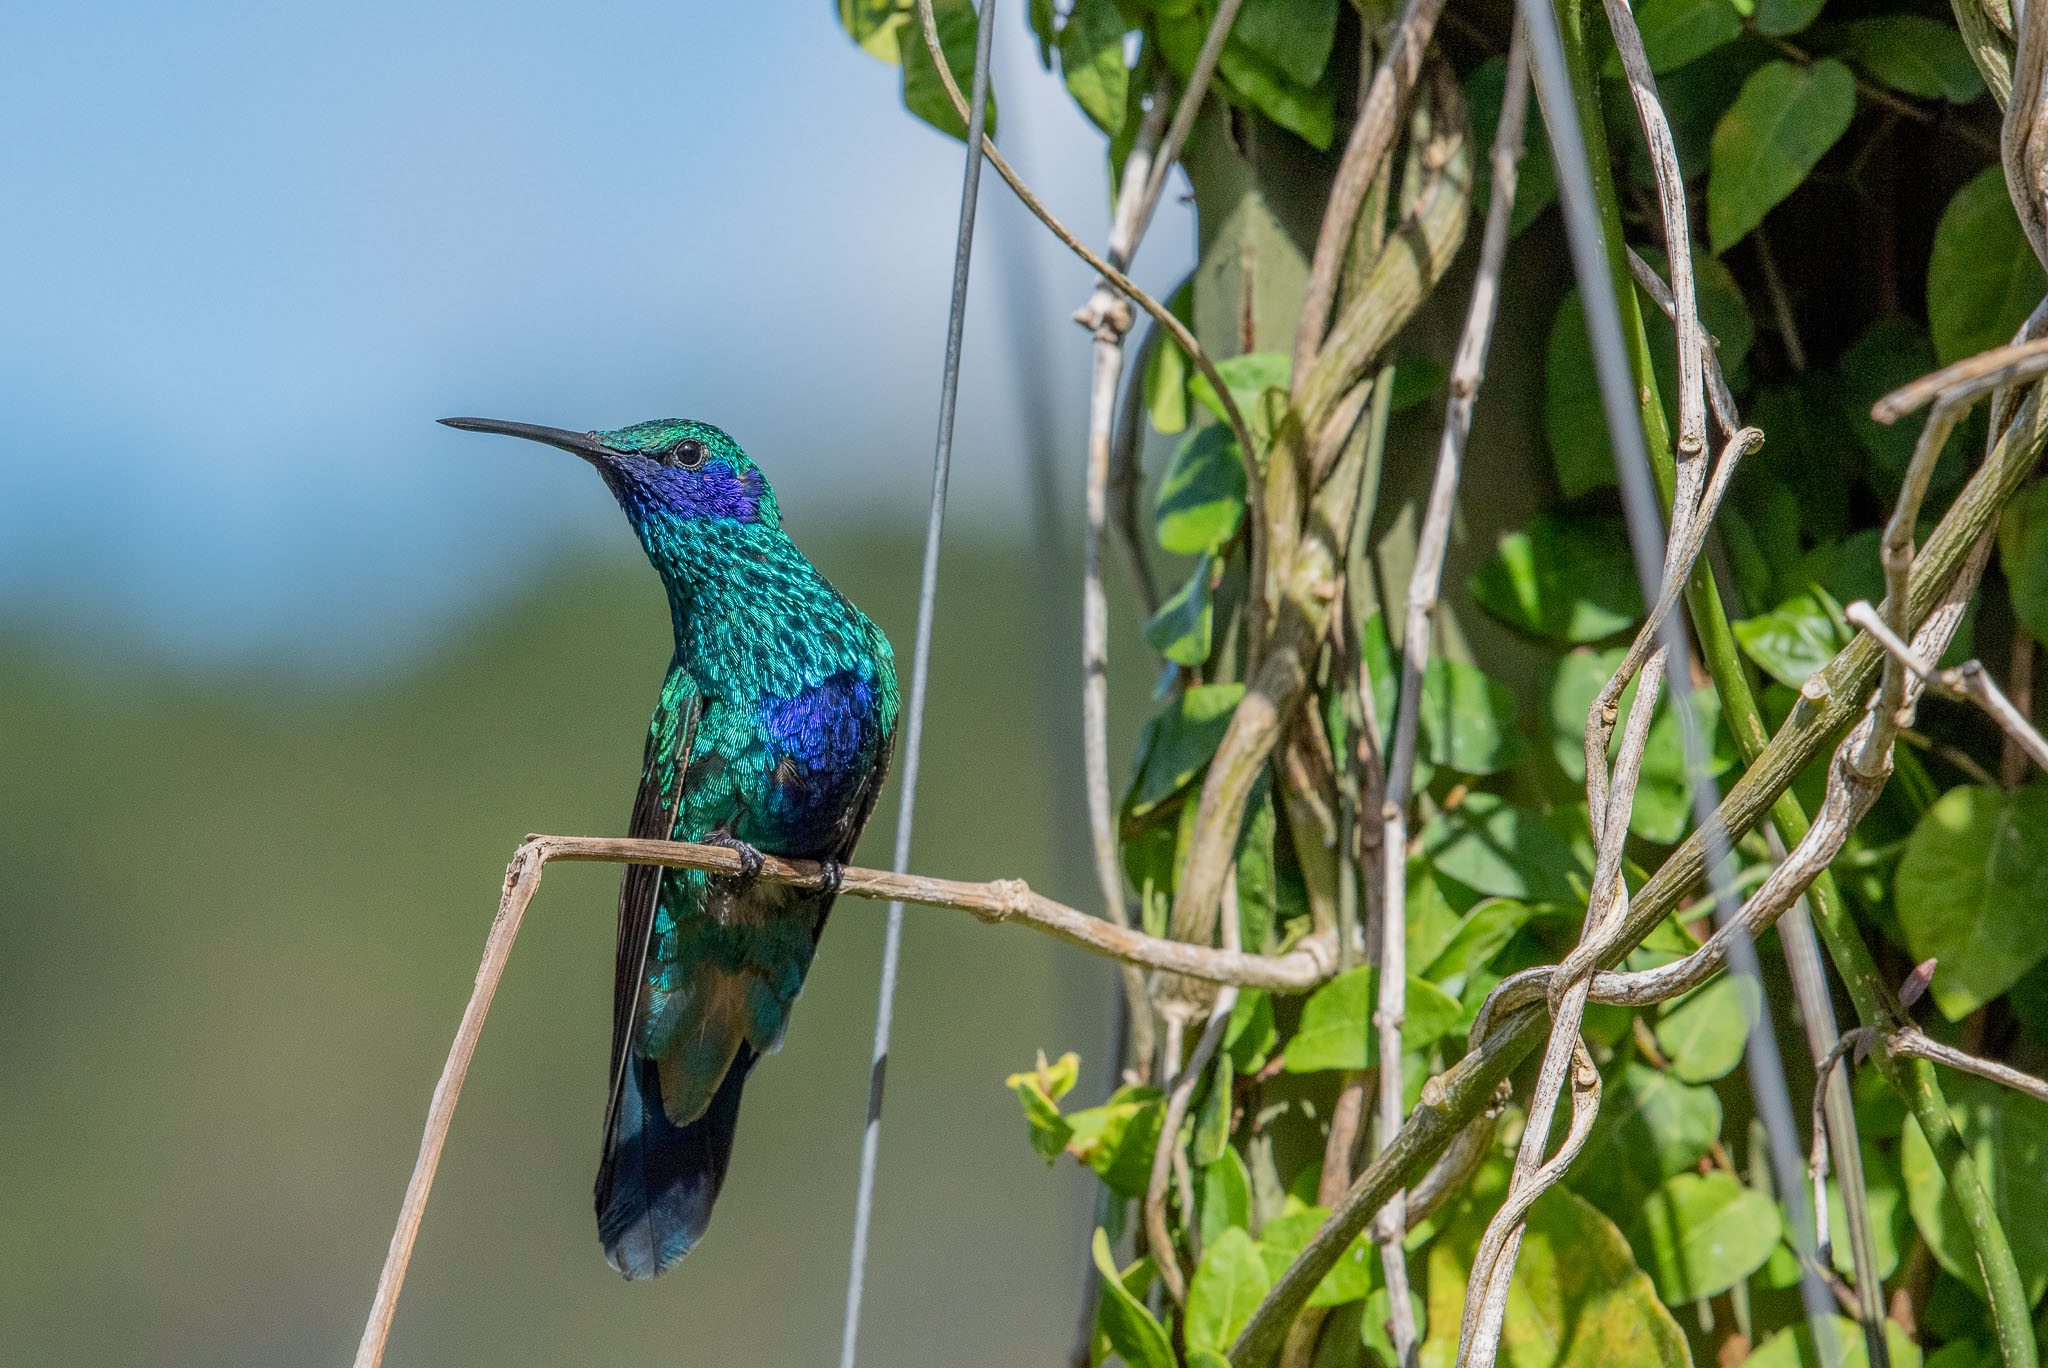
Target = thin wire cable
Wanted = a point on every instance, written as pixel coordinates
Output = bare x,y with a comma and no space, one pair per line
913,741
1646,537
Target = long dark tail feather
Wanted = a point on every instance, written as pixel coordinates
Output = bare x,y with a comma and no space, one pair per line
658,1180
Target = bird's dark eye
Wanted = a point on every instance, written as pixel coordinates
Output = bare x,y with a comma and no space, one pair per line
690,453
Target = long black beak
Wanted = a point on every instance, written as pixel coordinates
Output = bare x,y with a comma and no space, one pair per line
584,444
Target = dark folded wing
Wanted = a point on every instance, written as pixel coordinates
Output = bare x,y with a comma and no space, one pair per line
655,806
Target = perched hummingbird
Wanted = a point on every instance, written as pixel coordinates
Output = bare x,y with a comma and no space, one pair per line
773,732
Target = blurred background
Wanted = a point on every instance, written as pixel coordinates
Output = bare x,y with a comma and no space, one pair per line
286,670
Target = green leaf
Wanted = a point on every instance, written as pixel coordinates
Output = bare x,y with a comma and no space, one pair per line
1225,1198
1092,61
1201,500
1971,888
1212,1122
1496,848
1176,744
1122,1319
1791,641
1701,1233
1039,1092
1337,1031
1781,125
2023,554
1780,17
877,25
1577,1299
1166,373
1650,1127
1247,377
1294,35
1574,423
1415,380
1180,629
1044,21
1483,933
1251,1035
1536,179
1983,279
1567,578
1307,110
1117,1139
1352,1276
1468,720
1890,352
1258,892
1793,1347
1917,55
2007,1138
1677,31
1704,1032
1224,1292
924,94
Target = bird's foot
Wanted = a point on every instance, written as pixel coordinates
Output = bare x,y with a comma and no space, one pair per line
751,858
831,874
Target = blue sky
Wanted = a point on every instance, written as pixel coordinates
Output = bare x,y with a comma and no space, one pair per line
252,251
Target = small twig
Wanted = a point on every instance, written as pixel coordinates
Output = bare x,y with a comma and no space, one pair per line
522,876
2012,757
1781,303
1168,1150
1493,1263
1913,1043
1112,320
1969,680
1718,393
1962,381
1124,479
1467,373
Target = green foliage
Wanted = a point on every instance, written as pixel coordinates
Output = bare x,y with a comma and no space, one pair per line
1337,1029
1815,140
1702,1033
1567,578
1796,638
1490,845
1579,1300
1651,1127
2023,554
2007,1138
1091,47
1121,1321
1224,1291
1701,1233
1793,1347
1970,886
1983,280
1201,500
1781,125
1918,56
1180,630
1678,31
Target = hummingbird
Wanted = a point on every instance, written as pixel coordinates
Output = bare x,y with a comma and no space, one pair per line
773,732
